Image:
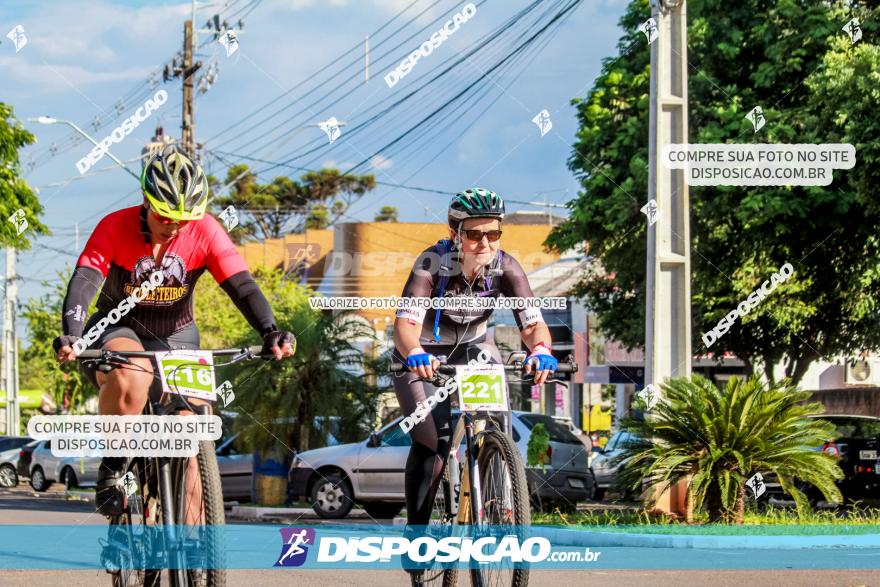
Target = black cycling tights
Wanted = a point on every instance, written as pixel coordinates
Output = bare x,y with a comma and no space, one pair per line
432,437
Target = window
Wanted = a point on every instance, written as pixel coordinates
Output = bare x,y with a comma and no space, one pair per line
856,428
612,442
394,436
557,432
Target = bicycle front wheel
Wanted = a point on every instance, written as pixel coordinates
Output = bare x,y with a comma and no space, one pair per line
200,517
505,502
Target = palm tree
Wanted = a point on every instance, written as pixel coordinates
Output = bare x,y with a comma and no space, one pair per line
720,438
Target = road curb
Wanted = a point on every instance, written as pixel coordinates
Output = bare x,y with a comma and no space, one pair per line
265,513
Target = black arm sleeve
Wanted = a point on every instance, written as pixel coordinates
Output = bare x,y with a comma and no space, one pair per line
83,286
250,301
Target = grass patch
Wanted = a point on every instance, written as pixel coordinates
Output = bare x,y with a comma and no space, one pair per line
772,521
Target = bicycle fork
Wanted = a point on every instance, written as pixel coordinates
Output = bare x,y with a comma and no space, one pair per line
169,520
470,506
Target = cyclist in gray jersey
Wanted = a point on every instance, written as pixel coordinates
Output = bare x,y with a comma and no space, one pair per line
470,263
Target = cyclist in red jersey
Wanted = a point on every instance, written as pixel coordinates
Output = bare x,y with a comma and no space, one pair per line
169,234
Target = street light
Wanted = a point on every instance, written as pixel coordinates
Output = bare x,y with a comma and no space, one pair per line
50,120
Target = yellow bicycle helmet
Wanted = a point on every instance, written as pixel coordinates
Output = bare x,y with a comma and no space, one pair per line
175,185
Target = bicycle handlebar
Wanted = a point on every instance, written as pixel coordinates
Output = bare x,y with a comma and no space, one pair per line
248,352
563,367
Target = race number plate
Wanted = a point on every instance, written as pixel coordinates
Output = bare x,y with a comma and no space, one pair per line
481,388
188,372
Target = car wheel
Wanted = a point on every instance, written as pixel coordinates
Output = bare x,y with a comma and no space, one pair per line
38,479
8,476
331,496
599,494
68,477
382,509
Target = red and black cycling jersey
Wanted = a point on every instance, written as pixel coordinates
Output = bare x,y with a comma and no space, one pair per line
120,251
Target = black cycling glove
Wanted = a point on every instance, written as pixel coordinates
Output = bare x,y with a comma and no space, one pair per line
65,340
277,338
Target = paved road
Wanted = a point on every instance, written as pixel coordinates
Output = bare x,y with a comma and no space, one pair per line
538,579
23,506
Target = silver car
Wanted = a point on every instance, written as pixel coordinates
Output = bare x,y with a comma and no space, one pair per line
605,468
46,469
10,447
371,472
236,469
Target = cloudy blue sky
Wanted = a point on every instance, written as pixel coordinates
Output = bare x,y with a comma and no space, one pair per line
84,56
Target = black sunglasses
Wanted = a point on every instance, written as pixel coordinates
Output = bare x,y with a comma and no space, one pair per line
477,235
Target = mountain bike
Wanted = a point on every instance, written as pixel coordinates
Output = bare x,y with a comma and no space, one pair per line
151,535
488,487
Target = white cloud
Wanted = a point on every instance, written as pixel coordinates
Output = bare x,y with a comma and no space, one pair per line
380,162
65,78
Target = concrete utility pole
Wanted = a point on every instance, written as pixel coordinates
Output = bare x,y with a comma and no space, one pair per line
188,121
10,348
668,295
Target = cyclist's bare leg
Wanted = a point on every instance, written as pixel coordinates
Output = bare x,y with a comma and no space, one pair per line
124,392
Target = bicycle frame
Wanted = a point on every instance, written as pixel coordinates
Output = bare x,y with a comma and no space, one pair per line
468,428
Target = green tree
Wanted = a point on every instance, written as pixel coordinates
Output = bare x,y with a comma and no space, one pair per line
287,205
386,214
39,369
792,59
722,437
15,194
536,450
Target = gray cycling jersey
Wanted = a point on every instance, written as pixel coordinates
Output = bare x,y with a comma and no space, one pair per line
436,273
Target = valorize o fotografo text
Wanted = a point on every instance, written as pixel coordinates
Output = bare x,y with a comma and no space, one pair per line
747,305
450,303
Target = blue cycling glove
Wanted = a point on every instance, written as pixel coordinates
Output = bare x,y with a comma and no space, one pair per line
544,362
416,359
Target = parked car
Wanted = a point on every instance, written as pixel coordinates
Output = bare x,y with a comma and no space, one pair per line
46,469
237,465
578,433
236,469
604,466
856,446
78,471
10,447
371,472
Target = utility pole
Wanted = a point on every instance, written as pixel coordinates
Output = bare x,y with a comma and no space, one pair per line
668,350
188,122
10,348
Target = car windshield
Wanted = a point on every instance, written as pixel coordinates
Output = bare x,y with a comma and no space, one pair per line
857,428
557,432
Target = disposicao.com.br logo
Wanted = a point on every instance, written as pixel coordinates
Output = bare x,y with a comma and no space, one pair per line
294,549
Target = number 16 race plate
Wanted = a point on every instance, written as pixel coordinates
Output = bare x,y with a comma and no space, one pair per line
188,372
481,388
